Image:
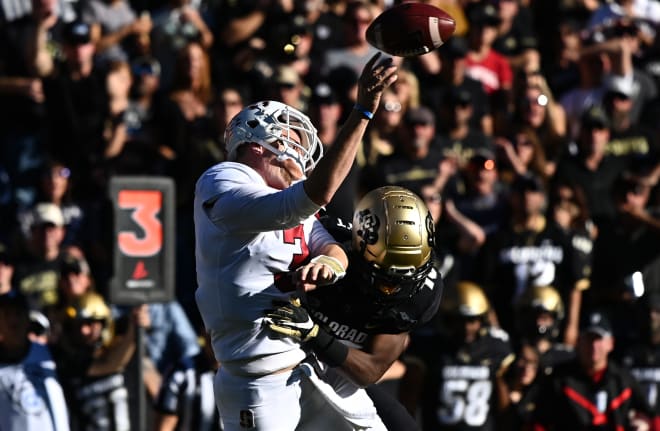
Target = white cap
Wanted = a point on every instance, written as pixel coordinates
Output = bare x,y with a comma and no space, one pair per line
47,213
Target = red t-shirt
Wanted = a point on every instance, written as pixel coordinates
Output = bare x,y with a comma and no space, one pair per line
494,71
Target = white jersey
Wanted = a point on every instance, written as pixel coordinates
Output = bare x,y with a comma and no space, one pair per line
248,235
31,398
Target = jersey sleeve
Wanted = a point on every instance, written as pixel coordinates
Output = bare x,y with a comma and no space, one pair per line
236,199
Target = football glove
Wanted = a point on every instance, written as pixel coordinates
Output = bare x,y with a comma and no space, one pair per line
292,320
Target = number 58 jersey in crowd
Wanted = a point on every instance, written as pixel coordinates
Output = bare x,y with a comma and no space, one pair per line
460,392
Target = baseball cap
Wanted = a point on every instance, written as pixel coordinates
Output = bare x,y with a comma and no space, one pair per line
77,33
419,115
620,85
145,66
595,118
47,213
482,158
5,256
286,76
597,323
455,47
485,15
323,94
459,96
76,265
528,182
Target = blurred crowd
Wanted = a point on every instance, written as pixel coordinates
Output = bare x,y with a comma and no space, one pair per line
532,135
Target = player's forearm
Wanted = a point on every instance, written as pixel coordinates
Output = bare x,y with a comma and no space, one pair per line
366,367
363,369
325,179
333,168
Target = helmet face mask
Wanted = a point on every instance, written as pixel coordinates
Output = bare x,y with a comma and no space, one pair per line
270,124
393,235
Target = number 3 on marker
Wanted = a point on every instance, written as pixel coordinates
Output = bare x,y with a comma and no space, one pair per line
145,205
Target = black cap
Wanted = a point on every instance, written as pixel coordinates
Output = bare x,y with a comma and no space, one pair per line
77,33
528,182
323,94
595,118
455,47
76,265
459,96
145,66
596,322
485,15
5,256
419,115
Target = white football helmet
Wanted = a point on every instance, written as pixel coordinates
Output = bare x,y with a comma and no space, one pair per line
267,122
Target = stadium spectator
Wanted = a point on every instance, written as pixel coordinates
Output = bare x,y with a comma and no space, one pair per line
31,395
415,159
115,26
591,390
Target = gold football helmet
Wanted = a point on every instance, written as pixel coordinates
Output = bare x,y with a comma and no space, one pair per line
92,306
545,298
393,233
471,300
535,300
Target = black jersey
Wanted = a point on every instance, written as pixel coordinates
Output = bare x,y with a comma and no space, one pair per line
515,258
351,312
643,361
460,390
569,399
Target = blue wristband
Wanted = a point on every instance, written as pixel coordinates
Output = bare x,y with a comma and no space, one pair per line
364,111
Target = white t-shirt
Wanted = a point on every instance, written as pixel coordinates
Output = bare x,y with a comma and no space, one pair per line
246,232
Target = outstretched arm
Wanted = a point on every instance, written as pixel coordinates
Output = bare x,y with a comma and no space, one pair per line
325,179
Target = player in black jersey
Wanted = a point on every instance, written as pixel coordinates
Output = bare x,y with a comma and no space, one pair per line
361,324
458,380
539,315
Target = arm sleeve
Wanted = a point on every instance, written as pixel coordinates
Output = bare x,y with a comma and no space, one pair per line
237,200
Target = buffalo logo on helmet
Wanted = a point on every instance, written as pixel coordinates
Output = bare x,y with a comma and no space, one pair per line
369,224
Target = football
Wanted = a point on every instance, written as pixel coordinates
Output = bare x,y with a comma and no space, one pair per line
410,29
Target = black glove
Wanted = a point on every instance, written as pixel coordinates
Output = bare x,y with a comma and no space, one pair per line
292,320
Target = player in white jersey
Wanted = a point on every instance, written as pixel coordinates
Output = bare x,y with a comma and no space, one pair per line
254,224
31,398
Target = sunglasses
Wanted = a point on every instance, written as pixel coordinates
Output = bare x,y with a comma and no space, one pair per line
392,107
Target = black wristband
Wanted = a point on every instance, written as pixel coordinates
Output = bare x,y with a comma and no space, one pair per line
329,350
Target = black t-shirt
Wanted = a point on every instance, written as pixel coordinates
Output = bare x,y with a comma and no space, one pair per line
596,184
520,37
18,111
643,361
397,169
465,148
76,112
